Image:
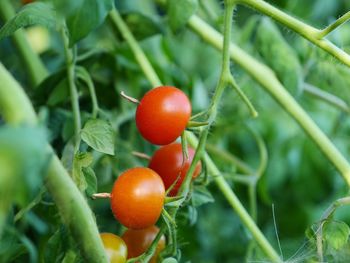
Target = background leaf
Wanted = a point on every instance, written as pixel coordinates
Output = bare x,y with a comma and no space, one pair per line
78,24
179,11
38,13
277,53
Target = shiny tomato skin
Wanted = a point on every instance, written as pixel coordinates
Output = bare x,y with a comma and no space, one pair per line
167,161
163,114
138,241
115,247
137,198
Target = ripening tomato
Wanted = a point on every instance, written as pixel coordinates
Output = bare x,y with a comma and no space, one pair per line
169,163
163,114
137,198
115,247
138,241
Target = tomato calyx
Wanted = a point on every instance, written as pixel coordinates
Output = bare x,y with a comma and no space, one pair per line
196,124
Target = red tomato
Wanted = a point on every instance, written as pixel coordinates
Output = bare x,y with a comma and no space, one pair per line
115,247
138,241
163,114
137,198
168,162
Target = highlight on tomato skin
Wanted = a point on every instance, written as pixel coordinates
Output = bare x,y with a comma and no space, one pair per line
115,248
137,198
168,161
163,114
138,241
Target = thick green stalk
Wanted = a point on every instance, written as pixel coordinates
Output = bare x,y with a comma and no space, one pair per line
310,33
139,55
16,108
267,79
32,63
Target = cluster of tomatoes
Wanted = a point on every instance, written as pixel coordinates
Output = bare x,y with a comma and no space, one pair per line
138,194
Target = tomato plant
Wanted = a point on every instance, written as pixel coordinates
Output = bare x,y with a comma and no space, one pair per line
170,164
163,114
261,96
138,241
137,198
115,248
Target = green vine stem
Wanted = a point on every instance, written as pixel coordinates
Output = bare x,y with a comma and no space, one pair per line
36,69
142,60
220,181
84,76
267,79
72,206
226,156
326,97
70,64
310,33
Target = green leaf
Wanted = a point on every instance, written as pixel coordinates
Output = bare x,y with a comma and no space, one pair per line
54,251
201,196
67,7
91,181
140,25
99,135
87,18
81,160
59,94
180,11
277,53
38,13
336,234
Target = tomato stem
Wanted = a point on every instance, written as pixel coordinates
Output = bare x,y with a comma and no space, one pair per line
129,98
83,75
101,195
70,68
141,155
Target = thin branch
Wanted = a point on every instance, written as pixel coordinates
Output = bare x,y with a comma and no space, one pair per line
139,54
327,97
70,64
341,20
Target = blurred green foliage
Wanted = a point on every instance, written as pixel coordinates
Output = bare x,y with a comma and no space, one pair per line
299,181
